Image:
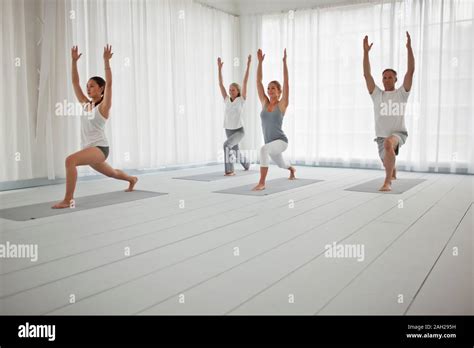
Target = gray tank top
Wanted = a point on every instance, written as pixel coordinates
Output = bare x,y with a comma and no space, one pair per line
271,125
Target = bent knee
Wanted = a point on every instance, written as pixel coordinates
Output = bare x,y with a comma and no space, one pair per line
264,150
70,161
388,145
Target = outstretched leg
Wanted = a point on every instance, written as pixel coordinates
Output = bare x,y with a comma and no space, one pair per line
241,157
231,145
390,144
280,161
86,156
276,154
107,170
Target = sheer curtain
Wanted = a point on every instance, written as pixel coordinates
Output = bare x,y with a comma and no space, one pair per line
167,108
19,78
330,119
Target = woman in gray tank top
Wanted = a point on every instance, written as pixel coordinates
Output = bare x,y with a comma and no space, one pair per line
233,124
273,111
95,147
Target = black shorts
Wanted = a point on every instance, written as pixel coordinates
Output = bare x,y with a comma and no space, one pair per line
105,150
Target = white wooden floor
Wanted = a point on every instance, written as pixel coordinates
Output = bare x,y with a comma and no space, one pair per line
418,252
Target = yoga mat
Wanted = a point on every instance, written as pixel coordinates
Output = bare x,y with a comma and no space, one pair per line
41,210
272,186
215,176
398,186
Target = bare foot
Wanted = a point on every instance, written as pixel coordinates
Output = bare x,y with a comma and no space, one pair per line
394,174
386,186
132,184
292,173
230,174
259,187
62,205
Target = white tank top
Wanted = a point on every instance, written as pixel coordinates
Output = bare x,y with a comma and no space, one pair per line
93,129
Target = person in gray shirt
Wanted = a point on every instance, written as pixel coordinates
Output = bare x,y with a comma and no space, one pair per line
273,110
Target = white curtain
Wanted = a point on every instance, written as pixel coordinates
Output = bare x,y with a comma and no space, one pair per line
167,107
18,88
330,119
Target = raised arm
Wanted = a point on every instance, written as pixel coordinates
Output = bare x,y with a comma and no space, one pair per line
75,55
221,80
106,104
369,80
246,78
407,82
285,100
261,91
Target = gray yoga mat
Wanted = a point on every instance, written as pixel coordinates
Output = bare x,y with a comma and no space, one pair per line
272,186
215,176
41,210
398,186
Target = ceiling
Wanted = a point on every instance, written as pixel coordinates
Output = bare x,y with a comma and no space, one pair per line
246,7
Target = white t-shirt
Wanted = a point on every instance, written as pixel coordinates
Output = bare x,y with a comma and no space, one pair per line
389,111
233,113
93,129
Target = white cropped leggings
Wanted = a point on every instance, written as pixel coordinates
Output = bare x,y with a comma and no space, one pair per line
274,151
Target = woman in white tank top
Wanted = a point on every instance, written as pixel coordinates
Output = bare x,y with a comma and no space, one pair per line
94,144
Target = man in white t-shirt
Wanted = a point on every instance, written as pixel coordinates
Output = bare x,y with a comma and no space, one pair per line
389,111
